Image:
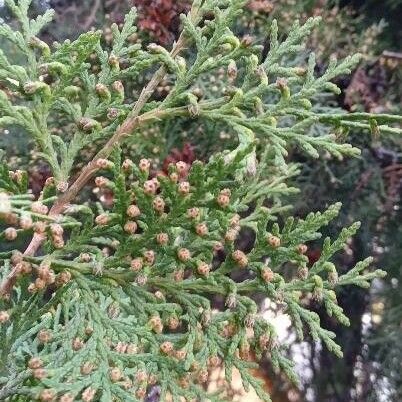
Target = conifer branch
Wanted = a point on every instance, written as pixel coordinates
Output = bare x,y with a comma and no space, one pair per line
111,299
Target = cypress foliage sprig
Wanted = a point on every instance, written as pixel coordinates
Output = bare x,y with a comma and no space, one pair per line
109,302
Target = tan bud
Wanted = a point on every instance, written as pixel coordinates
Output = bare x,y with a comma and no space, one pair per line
184,187
10,234
4,316
162,239
166,347
183,254
133,211
130,227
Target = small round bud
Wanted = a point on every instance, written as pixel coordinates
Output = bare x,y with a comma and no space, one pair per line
88,394
264,341
218,246
231,301
132,349
141,393
302,272
58,242
184,382
62,186
156,324
113,61
127,165
302,249
89,330
77,343
121,347
16,258
85,257
101,181
184,187
11,219
214,361
267,274
102,90
39,373
232,70
103,163
193,213
87,368
203,269
235,220
26,222
333,277
63,278
158,204
10,234
300,71
66,398
118,87
173,323
281,83
141,376
130,227
112,113
162,239
152,379
47,395
40,284
166,347
244,350
180,354
133,211
159,295
150,187
249,320
44,336
102,219
273,241
231,235
39,227
223,200
39,208
141,280
182,168
23,267
4,317
31,288
149,257
178,275
115,374
202,376
35,363
144,165
136,264
183,254
56,229
43,269
201,229
240,258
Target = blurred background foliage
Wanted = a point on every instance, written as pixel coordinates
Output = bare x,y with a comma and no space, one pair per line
369,186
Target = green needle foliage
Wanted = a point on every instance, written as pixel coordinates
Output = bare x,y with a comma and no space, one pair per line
103,302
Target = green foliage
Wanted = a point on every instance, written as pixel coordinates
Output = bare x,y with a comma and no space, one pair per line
109,299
